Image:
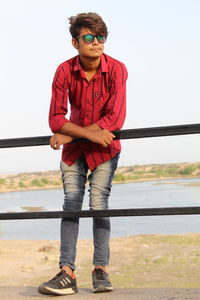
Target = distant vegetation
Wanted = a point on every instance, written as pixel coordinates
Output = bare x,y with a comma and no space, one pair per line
52,179
157,171
29,181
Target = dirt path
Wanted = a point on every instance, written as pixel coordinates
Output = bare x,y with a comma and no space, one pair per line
23,293
165,264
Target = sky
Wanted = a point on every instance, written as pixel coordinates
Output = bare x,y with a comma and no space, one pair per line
159,43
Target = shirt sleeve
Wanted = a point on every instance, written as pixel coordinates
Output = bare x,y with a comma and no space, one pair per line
59,100
115,112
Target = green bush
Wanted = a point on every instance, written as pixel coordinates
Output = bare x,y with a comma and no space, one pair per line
44,180
21,184
2,181
119,177
187,170
36,182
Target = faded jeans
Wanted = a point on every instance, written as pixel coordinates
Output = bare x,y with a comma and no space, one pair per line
100,182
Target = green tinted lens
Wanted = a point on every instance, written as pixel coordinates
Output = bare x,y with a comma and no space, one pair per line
88,38
101,39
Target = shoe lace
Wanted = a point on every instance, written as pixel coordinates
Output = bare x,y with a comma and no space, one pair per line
58,275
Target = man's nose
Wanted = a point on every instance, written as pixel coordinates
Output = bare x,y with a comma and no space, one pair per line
95,41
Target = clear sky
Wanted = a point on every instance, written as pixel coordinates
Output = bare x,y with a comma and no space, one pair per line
158,40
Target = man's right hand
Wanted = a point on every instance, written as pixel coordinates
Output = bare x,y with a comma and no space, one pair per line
102,137
59,139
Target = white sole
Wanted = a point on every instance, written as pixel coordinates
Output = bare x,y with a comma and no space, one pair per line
50,291
101,289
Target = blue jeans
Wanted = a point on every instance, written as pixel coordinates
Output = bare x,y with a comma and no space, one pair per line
100,182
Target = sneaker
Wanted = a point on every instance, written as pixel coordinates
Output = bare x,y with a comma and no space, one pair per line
100,281
61,284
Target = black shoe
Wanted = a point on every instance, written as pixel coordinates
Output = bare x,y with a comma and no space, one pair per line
100,281
61,284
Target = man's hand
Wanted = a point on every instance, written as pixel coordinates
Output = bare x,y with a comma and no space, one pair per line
102,137
59,139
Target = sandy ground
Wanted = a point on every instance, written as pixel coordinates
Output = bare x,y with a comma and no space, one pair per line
165,265
24,293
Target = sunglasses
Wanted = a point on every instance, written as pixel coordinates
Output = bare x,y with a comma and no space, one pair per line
89,38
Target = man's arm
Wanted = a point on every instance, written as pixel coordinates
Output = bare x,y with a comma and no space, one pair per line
115,110
70,132
59,100
93,133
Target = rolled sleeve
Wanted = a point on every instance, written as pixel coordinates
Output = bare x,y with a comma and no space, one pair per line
115,113
59,101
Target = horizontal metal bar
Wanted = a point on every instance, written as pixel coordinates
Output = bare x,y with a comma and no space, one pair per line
187,210
25,142
157,131
120,134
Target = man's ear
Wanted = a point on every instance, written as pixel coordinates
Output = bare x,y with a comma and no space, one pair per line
75,43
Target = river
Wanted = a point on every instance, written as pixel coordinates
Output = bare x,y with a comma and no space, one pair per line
165,193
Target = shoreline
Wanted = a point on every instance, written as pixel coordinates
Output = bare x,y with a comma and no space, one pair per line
49,187
47,180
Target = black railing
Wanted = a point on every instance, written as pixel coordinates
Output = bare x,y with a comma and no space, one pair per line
121,134
136,212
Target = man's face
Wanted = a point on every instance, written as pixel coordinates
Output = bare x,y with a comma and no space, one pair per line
93,50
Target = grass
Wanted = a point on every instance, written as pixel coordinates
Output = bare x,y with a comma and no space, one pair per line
21,184
52,179
156,171
151,261
2,181
141,261
173,239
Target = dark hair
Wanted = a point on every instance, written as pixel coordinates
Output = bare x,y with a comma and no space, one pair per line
88,20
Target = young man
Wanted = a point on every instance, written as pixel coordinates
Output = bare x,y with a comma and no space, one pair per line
95,86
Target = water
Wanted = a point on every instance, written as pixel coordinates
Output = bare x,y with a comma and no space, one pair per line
130,195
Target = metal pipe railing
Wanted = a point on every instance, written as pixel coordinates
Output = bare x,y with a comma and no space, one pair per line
121,134
136,212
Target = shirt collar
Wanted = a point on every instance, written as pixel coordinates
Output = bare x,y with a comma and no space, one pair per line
77,65
104,66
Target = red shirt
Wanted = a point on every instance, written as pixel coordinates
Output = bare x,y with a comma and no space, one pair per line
102,100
